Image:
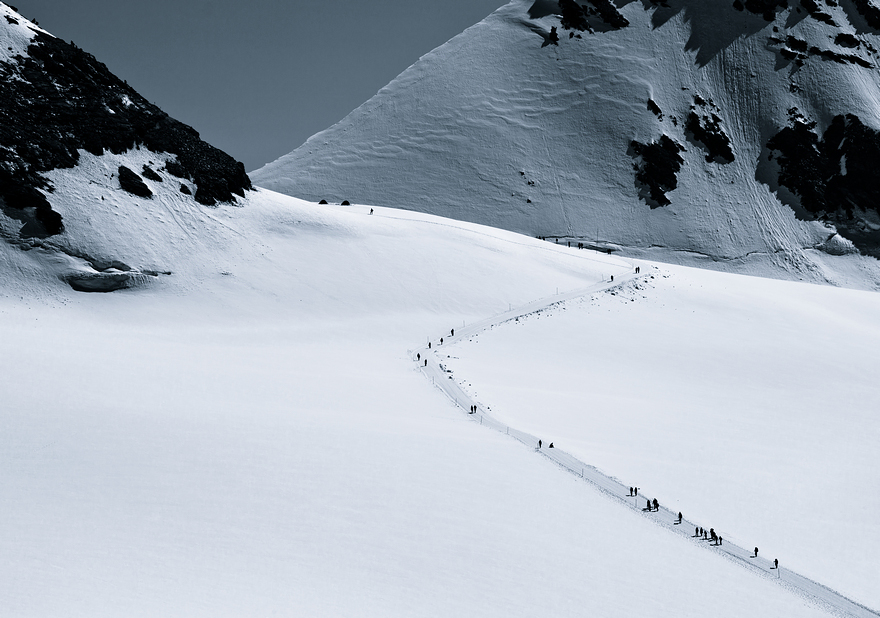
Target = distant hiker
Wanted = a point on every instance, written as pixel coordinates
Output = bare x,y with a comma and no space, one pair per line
697,531
539,443
429,345
656,505
637,491
419,356
612,277
371,211
648,508
441,340
679,517
630,491
756,552
452,333
776,563
426,362
705,535
720,541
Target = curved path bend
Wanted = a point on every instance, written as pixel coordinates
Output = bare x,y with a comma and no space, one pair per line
829,599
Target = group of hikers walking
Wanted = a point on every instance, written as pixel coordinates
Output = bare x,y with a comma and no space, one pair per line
708,535
650,505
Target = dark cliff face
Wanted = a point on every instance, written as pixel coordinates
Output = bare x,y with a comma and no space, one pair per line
60,99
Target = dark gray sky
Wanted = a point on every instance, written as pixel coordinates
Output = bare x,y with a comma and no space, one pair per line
257,77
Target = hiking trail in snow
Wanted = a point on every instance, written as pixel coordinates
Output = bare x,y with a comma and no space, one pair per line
443,379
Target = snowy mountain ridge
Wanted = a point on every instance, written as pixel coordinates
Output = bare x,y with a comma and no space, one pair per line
61,110
714,133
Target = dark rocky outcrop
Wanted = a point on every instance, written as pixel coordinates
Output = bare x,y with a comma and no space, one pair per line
870,12
656,165
703,128
832,177
769,8
798,50
150,174
594,15
847,40
133,183
60,99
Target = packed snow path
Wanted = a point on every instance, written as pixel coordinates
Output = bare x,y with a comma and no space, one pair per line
430,361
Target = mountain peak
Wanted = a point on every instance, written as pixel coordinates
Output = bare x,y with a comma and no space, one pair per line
567,119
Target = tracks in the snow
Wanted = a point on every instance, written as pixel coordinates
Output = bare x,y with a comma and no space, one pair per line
824,596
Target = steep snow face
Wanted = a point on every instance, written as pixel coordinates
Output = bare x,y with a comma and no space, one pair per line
528,122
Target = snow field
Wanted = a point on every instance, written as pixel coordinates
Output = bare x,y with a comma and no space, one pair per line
745,403
248,436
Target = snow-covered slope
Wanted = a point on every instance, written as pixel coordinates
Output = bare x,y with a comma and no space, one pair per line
503,127
744,402
247,435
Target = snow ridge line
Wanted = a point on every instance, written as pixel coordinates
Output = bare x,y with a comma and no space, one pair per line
430,364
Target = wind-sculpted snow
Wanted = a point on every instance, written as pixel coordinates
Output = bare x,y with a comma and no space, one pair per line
451,134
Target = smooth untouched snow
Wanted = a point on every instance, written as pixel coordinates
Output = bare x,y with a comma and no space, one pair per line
248,435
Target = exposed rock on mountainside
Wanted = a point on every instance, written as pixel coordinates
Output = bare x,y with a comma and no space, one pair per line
451,133
703,127
56,99
832,178
657,165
